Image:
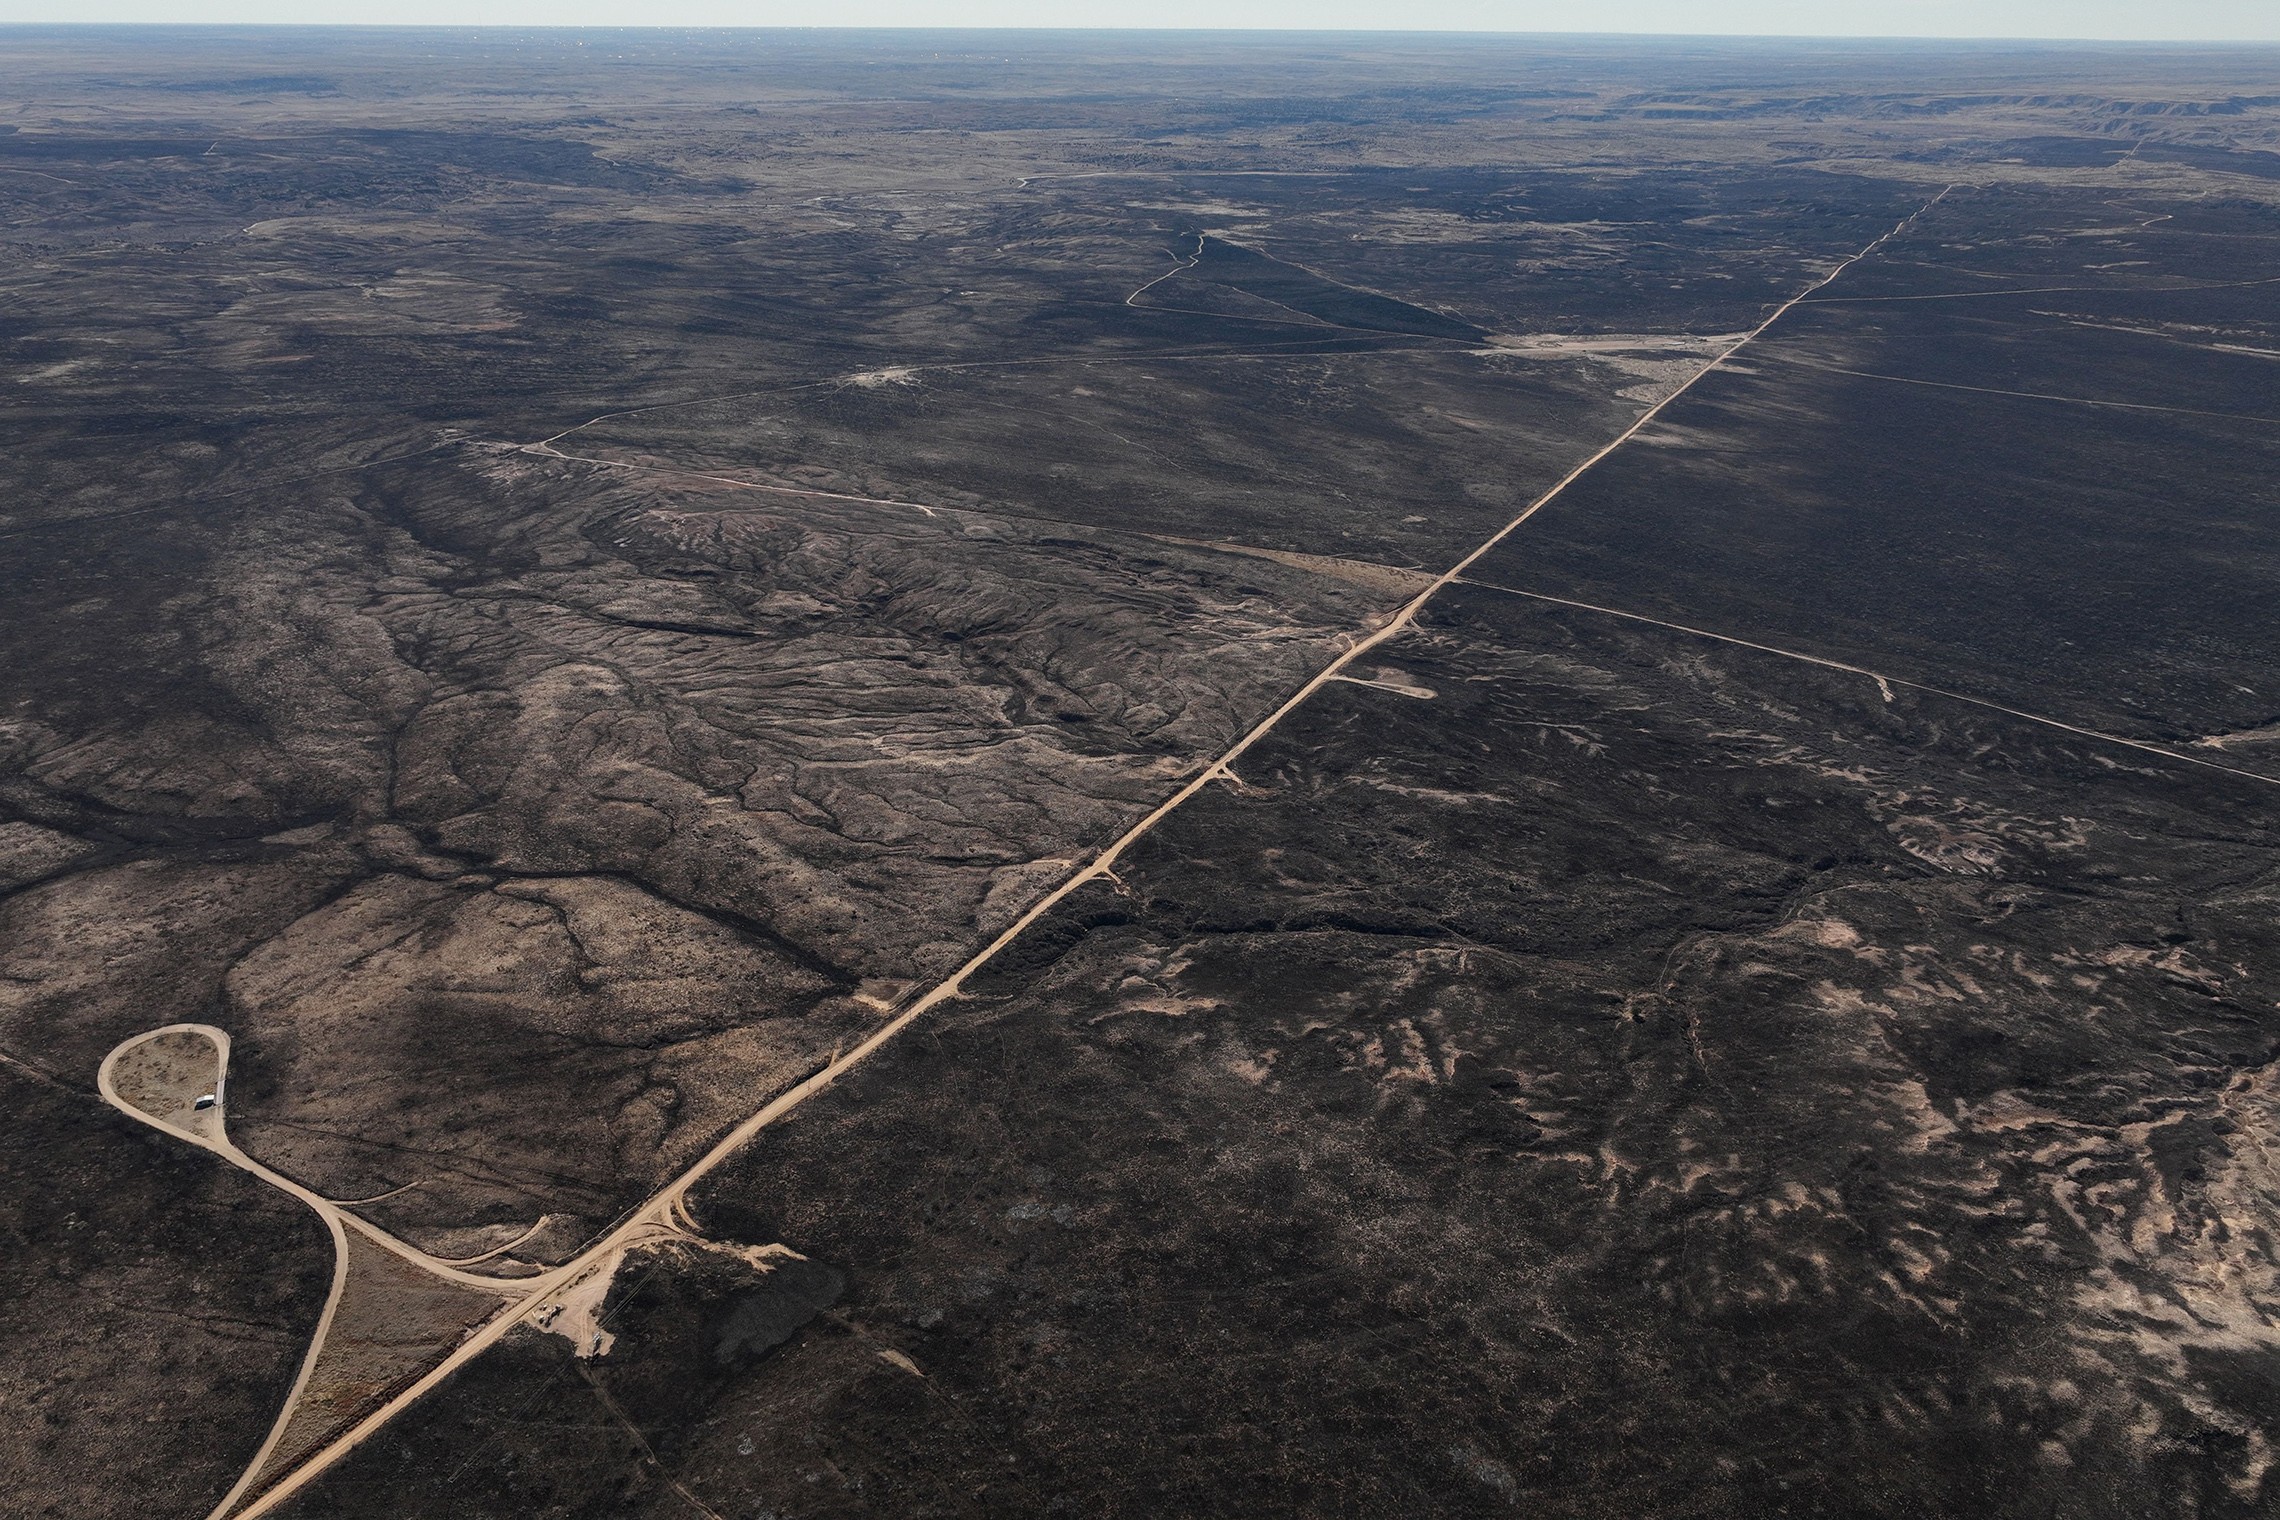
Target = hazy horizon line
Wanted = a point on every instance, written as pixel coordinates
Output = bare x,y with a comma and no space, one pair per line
1953,39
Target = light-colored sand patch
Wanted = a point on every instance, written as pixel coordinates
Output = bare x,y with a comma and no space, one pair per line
2247,738
1828,933
1399,682
576,1313
1597,345
872,379
1205,208
1658,364
1377,577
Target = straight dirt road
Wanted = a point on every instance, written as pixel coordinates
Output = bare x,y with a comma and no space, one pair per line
665,1213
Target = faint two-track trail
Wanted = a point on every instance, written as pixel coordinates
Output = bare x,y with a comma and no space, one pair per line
1884,682
1180,268
666,1214
2050,290
1984,390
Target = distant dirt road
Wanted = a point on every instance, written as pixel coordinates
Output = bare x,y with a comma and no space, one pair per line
1885,683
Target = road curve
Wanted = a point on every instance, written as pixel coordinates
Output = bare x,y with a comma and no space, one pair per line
662,1215
516,1291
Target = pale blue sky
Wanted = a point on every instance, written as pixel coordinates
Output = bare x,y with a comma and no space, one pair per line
2174,20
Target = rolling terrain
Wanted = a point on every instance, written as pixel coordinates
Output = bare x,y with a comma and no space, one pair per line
1027,775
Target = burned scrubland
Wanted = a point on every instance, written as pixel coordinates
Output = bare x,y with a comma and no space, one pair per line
560,585
1587,1066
